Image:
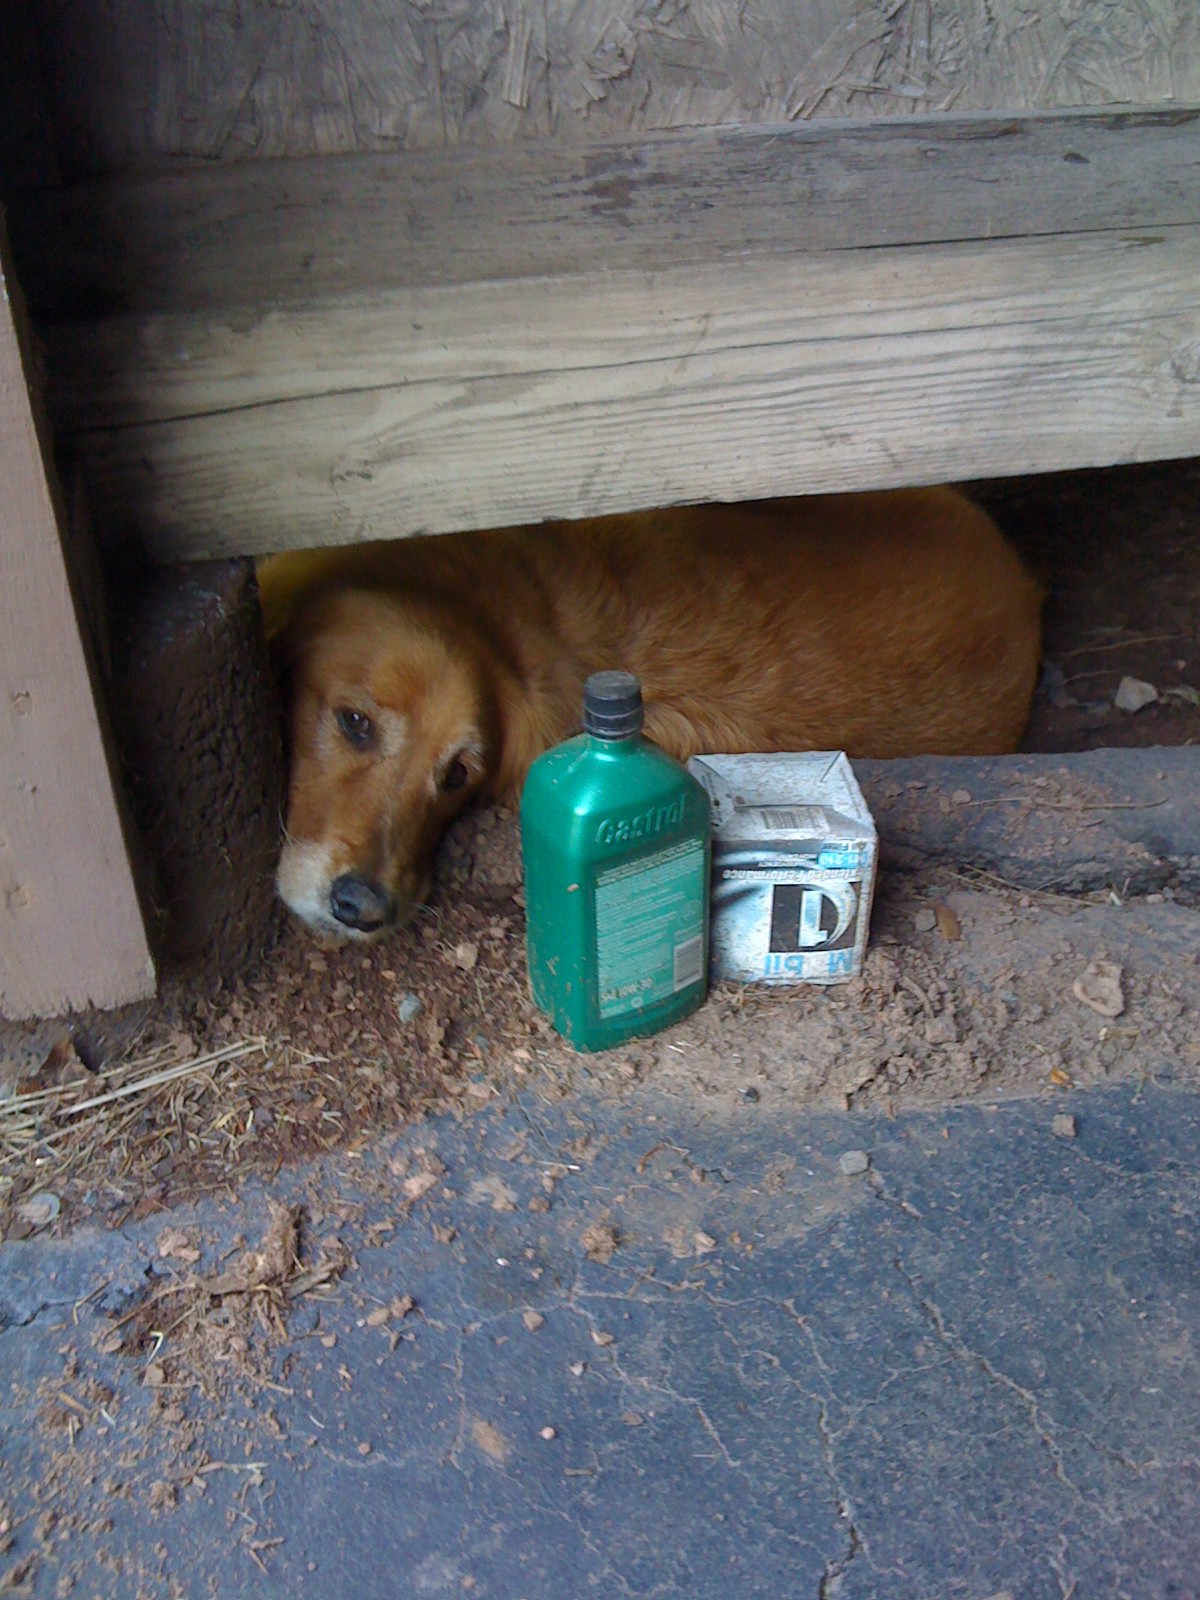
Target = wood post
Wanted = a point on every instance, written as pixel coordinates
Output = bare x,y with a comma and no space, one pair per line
71,928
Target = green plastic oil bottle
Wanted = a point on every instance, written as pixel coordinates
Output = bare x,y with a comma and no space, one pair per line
615,837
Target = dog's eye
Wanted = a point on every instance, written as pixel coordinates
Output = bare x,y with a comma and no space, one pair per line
456,775
356,726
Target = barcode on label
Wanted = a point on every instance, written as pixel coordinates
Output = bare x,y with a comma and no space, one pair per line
796,819
689,962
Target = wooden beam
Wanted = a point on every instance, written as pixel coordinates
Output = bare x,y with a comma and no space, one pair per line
71,930
604,392
291,353
246,237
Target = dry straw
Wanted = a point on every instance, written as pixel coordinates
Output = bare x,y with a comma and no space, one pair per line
56,1129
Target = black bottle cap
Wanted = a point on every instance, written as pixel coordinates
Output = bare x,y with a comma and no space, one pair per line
612,705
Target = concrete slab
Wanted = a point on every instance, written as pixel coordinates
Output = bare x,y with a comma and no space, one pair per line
968,1371
1117,818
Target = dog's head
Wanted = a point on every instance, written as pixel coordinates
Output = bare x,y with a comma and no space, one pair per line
393,730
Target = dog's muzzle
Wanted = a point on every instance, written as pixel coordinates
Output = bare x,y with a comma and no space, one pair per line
357,903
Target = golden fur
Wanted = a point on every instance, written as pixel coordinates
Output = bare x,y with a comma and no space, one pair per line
882,624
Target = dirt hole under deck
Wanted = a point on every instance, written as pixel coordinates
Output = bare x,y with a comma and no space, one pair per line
326,1048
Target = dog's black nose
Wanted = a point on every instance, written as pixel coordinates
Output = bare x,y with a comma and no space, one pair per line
358,903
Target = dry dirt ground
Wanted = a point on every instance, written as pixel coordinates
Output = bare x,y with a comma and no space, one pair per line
1119,554
971,987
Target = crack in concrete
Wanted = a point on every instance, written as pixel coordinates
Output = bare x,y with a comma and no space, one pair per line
1066,1585
1028,1400
801,1321
458,1389
648,1385
835,1567
1025,1397
830,1583
1174,1171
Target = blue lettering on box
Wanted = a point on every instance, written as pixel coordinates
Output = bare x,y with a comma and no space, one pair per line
842,859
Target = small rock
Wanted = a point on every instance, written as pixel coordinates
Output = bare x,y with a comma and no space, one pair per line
1053,685
408,1007
577,1369
533,1320
632,1419
464,955
961,797
328,1340
39,1210
948,924
1098,986
154,1376
925,920
1132,694
852,1162
602,1338
548,1434
364,1448
704,1242
1063,1125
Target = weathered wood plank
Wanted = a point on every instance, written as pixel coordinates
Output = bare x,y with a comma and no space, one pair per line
254,236
136,369
71,930
140,85
604,392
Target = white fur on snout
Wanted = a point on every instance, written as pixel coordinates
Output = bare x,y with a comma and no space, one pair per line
304,880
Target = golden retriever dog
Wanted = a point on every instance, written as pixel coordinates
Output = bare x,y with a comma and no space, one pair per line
423,674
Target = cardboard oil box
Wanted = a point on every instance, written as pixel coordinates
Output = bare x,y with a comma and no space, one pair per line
794,858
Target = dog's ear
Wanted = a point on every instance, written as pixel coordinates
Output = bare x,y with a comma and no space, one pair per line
292,622
286,582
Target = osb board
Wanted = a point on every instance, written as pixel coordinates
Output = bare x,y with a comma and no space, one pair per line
600,392
140,85
71,930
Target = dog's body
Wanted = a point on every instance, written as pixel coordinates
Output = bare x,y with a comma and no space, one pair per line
428,672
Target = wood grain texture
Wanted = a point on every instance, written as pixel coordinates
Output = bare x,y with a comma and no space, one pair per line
141,85
728,380
242,240
71,931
